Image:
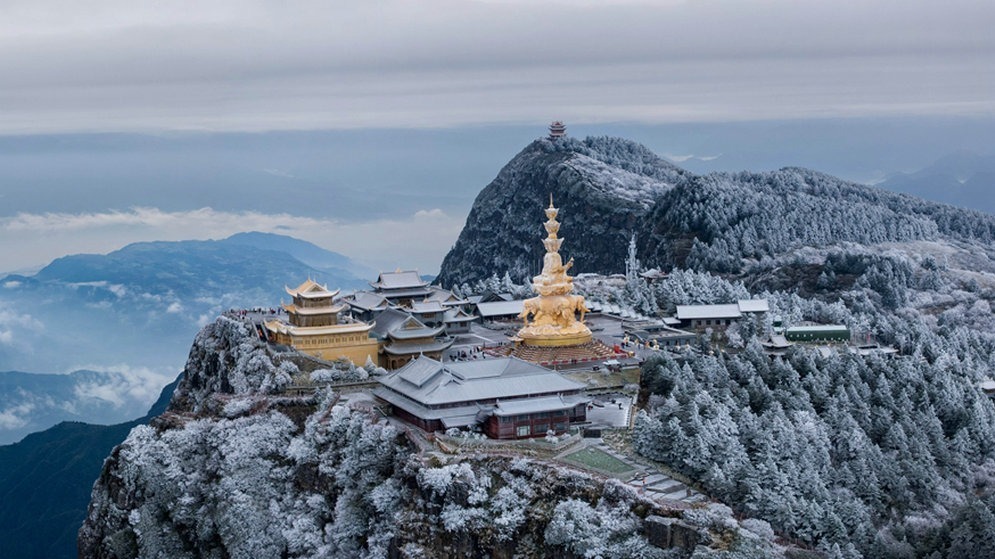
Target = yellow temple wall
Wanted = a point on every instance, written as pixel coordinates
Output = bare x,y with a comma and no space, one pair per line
354,346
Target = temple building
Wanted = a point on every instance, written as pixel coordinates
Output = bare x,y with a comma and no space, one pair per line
507,398
701,317
430,312
554,330
403,337
458,321
366,305
401,287
557,130
316,326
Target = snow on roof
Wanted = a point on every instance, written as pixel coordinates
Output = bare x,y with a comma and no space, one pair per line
443,296
367,301
464,420
501,308
458,315
819,328
753,305
728,310
532,405
399,280
310,289
779,341
436,383
426,307
411,349
419,371
411,331
393,319
697,312
988,385
424,412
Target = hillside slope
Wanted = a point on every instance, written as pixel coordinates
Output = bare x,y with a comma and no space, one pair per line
235,469
603,186
773,230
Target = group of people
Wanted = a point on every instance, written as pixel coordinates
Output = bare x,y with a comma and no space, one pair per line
242,313
475,352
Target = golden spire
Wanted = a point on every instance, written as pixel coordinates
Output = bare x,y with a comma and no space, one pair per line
549,318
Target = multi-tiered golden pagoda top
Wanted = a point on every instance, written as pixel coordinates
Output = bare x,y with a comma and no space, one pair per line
554,312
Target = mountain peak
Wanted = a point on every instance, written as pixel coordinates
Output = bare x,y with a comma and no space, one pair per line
603,186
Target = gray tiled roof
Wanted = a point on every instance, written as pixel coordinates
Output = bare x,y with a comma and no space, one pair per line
409,332
500,308
399,280
392,319
430,382
730,310
423,412
698,312
367,301
426,307
532,405
410,349
753,305
458,315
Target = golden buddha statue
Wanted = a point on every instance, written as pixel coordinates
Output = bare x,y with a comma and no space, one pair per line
551,317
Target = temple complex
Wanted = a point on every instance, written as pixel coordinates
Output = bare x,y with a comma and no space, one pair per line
315,326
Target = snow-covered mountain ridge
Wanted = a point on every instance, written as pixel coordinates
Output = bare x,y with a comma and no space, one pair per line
603,186
738,224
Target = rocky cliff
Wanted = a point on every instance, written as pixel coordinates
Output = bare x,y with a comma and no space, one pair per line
235,469
603,186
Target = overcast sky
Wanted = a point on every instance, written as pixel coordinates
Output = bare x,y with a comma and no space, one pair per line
263,65
248,66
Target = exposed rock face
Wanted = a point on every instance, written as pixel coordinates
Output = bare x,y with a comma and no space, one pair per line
603,186
233,469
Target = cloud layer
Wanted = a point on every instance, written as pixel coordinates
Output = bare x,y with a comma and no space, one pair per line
35,238
260,65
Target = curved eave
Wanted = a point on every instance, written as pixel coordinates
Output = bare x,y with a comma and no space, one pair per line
415,333
413,349
298,292
294,309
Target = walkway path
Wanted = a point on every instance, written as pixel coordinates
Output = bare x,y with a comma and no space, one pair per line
645,478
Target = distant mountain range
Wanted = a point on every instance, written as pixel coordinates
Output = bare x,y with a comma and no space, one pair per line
131,314
962,179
